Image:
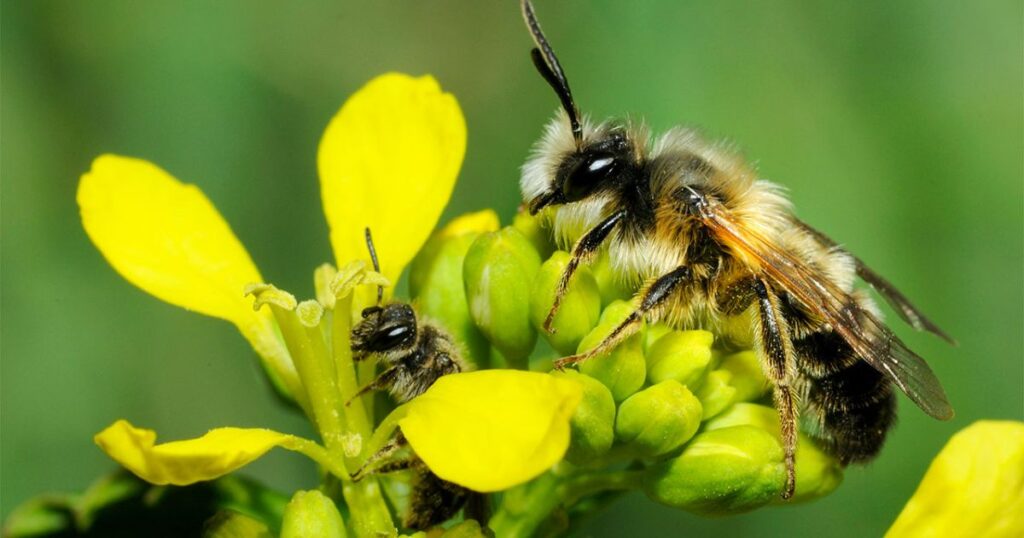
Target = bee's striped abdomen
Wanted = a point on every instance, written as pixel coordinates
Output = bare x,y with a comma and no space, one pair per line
849,404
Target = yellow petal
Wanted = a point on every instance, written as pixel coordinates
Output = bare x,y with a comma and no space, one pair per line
492,429
180,463
388,160
974,487
166,237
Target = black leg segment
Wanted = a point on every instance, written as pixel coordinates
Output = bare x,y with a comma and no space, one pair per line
655,296
581,252
777,355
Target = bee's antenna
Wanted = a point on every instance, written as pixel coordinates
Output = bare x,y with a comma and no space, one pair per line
376,264
547,64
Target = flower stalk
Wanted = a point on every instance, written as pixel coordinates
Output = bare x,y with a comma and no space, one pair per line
526,509
356,411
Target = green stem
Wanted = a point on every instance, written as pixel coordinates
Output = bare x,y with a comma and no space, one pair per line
341,325
316,372
318,454
525,509
370,515
366,372
385,430
581,486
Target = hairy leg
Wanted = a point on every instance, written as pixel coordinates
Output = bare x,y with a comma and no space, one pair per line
582,251
776,350
653,297
394,445
382,382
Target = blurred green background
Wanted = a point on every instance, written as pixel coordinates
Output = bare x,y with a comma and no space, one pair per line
898,128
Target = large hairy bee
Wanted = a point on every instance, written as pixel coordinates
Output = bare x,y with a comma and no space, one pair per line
712,241
414,354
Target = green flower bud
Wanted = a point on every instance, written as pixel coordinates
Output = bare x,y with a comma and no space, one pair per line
720,472
658,419
231,524
436,281
716,393
311,513
747,376
653,333
679,355
746,414
623,370
616,312
530,226
499,270
610,284
592,424
817,473
580,308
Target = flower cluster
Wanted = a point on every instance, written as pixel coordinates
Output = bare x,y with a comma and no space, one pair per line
674,413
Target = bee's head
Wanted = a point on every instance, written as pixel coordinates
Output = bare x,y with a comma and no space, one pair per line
384,329
574,160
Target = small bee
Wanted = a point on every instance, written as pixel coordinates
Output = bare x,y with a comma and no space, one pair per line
710,241
414,354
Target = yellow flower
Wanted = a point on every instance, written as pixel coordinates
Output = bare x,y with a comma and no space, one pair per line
974,487
388,160
213,455
390,167
492,429
487,430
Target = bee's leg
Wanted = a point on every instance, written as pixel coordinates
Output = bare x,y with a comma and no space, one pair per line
400,465
383,381
734,298
394,445
653,297
776,350
478,507
582,251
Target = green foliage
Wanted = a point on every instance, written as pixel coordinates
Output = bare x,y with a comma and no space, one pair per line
120,504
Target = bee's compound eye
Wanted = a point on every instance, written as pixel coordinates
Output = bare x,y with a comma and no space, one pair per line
397,333
388,338
588,174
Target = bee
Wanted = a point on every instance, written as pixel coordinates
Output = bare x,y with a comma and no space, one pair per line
415,354
711,241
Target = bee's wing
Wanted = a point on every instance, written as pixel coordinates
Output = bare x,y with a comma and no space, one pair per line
867,336
906,310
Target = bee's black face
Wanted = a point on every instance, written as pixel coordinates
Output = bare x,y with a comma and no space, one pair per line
597,166
587,174
385,328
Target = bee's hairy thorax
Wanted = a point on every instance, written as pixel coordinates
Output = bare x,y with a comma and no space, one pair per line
434,355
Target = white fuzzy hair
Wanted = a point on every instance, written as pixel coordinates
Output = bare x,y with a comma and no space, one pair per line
552,148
